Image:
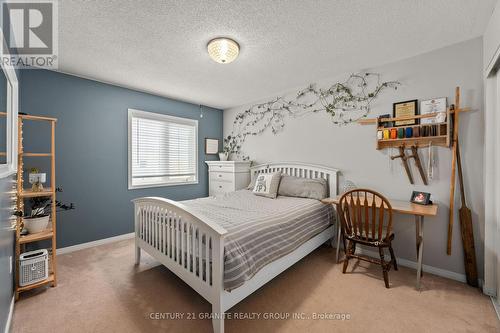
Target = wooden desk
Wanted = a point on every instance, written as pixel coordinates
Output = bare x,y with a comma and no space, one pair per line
402,207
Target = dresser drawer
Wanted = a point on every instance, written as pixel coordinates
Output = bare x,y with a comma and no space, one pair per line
221,168
222,176
220,186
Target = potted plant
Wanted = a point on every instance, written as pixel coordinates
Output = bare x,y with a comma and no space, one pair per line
41,209
230,146
223,156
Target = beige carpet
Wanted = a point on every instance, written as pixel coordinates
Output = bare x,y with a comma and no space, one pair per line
100,290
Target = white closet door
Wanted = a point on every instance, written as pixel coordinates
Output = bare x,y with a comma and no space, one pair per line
496,203
492,186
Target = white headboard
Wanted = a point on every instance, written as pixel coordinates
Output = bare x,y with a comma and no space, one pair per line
300,170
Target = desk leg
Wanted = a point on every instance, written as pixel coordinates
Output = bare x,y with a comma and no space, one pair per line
419,225
339,231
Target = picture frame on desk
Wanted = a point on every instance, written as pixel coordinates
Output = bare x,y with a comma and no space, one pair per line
405,109
421,198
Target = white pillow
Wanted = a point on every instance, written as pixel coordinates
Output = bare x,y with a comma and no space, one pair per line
266,184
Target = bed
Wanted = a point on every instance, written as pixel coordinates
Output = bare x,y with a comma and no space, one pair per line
227,247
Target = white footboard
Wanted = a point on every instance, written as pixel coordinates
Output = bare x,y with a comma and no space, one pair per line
187,244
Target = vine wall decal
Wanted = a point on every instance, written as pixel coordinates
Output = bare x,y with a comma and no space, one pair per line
346,102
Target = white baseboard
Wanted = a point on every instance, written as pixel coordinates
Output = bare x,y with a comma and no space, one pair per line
496,306
98,242
412,264
490,292
9,318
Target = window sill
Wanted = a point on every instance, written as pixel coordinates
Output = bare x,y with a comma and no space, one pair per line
138,187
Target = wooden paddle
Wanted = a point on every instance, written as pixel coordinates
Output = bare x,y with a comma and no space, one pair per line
466,230
451,211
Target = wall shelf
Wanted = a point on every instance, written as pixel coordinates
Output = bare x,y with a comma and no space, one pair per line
30,117
442,129
371,121
440,140
28,193
29,238
37,154
30,154
50,279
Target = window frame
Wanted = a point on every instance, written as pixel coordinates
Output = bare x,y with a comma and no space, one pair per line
10,167
161,117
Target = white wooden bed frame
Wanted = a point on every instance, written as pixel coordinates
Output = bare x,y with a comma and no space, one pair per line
158,231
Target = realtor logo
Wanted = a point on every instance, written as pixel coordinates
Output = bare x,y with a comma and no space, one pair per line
30,34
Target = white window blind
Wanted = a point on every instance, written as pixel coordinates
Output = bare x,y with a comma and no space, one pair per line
163,150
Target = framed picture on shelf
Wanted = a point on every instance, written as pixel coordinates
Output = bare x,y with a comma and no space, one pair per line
405,109
211,146
435,105
421,198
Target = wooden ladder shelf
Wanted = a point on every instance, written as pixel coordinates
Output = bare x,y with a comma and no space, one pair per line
22,194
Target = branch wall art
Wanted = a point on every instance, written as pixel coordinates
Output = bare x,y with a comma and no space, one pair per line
346,102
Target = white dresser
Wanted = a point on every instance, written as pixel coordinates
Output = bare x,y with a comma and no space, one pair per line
227,176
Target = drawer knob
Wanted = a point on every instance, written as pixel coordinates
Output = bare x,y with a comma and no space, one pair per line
220,186
220,176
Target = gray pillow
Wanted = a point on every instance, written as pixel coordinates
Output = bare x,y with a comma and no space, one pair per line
266,184
316,188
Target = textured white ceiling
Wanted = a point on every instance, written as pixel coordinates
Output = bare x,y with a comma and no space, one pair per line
160,46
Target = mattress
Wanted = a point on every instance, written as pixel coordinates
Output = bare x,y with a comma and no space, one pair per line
260,230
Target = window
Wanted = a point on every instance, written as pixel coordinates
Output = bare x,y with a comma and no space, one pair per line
162,150
9,101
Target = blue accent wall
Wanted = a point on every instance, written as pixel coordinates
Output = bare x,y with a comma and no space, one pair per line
91,149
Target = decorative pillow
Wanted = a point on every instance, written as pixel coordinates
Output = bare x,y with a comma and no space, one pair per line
267,184
316,188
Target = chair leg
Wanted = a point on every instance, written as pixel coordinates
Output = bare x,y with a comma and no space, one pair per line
384,267
393,258
347,255
345,245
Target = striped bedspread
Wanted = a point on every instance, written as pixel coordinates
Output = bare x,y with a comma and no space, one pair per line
260,230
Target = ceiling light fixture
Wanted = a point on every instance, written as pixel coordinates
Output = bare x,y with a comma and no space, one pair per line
223,50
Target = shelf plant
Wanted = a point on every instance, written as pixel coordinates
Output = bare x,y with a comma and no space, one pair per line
40,211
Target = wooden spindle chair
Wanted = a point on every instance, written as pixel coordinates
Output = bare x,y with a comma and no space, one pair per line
366,218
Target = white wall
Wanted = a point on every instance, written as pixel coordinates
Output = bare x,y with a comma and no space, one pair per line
315,139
